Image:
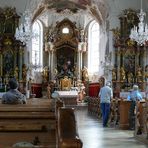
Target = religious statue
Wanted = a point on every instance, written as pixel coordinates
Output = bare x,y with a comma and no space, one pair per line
122,74
85,76
24,72
139,74
16,72
49,91
146,72
130,77
45,74
81,94
114,77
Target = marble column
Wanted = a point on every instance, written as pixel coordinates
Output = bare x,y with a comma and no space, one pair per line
1,63
79,64
144,64
51,64
20,62
119,64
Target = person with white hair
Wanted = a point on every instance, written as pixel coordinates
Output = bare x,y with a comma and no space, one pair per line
105,95
134,96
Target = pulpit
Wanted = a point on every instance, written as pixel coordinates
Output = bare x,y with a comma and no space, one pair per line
124,107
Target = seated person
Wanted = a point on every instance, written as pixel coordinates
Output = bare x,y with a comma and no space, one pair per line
134,95
13,96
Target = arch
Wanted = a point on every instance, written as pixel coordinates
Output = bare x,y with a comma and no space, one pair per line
37,44
93,48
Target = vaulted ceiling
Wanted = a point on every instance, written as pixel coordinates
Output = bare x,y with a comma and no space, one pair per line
100,9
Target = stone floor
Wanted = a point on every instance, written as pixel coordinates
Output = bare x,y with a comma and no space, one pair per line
94,135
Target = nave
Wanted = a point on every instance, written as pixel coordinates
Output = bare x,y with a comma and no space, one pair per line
94,135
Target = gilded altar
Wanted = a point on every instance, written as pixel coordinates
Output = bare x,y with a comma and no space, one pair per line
130,58
11,50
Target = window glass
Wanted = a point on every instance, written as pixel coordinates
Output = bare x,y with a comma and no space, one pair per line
37,44
93,48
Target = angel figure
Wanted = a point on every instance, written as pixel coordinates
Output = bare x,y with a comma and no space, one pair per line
122,74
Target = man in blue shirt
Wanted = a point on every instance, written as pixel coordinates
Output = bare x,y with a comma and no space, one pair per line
133,97
105,95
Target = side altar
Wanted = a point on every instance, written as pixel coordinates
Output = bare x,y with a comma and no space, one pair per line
130,65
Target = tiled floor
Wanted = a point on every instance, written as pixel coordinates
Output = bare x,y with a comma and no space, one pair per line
94,135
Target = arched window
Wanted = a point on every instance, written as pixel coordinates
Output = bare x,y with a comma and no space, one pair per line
93,48
37,44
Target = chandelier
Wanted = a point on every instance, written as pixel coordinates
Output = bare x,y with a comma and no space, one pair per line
140,33
24,31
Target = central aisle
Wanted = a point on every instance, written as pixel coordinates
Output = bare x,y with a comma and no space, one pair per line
94,135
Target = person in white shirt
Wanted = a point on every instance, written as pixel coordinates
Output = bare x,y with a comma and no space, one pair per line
105,95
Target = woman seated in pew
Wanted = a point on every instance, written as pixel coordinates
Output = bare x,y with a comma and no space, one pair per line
134,96
13,96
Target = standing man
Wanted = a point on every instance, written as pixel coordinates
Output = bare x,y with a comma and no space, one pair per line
105,95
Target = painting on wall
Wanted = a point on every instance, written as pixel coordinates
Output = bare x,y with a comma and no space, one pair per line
65,61
8,61
129,61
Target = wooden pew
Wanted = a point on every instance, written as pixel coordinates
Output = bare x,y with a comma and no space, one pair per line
67,131
28,122
141,127
26,117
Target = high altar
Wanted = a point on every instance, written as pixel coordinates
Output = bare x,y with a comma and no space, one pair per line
66,50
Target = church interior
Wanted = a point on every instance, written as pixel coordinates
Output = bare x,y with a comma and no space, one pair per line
62,52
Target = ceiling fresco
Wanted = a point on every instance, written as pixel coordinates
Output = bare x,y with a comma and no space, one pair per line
90,6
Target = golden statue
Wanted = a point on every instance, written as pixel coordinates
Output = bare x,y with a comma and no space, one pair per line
16,72
114,74
116,32
130,77
139,74
122,74
45,74
24,72
85,76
